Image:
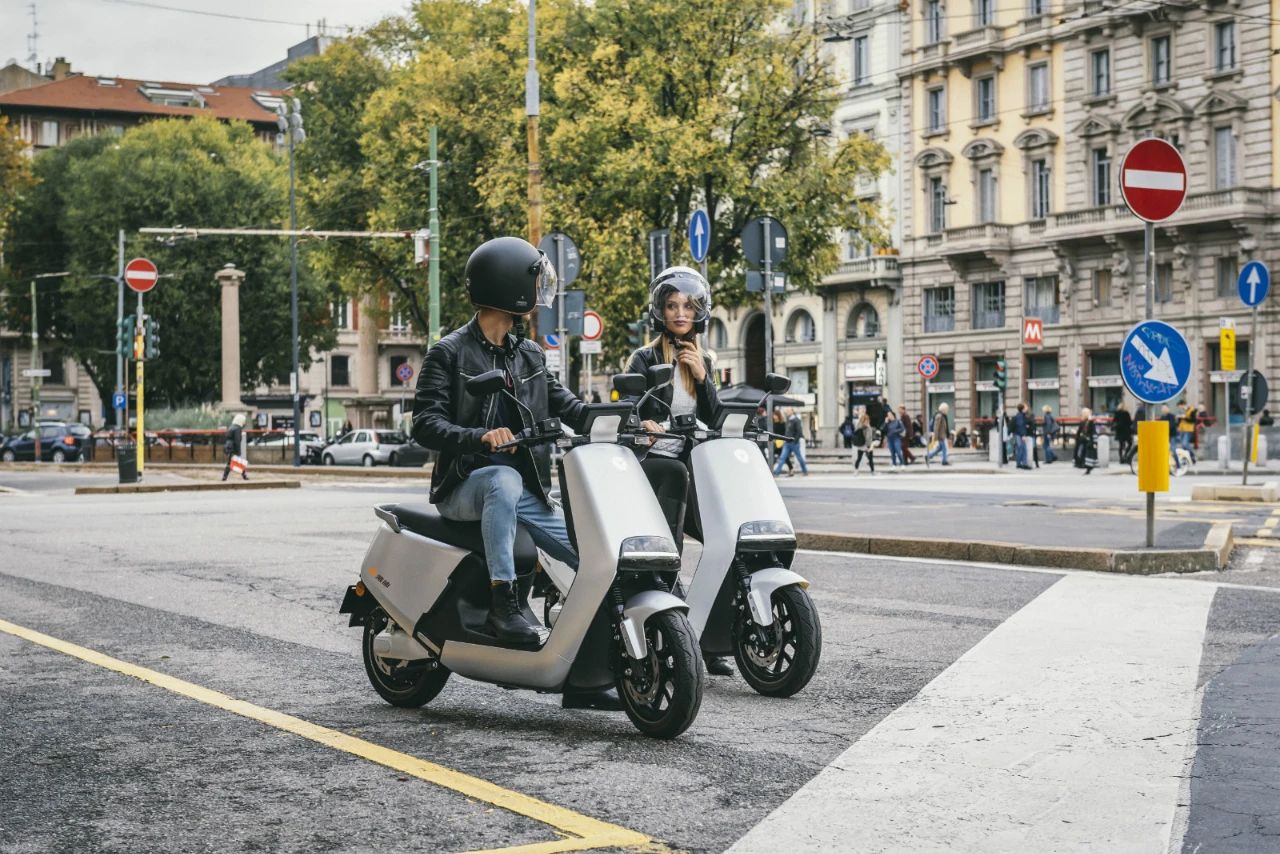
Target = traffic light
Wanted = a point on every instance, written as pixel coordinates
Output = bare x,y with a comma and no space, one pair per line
636,333
151,332
124,337
1002,376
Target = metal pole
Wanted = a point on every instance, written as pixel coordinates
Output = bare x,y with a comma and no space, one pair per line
768,319
1149,253
36,381
433,257
293,306
531,109
561,331
120,356
141,354
1247,445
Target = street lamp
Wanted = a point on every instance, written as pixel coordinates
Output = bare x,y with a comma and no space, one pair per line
290,125
37,372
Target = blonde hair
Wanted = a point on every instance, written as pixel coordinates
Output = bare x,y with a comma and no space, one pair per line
238,420
663,344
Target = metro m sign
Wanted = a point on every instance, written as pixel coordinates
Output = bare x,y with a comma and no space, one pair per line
1033,332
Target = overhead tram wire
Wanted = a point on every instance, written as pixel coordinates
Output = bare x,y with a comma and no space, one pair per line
226,15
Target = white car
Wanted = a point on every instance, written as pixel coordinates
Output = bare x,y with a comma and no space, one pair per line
373,448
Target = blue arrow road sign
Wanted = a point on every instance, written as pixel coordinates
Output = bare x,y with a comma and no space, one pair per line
1254,282
117,401
699,235
1155,362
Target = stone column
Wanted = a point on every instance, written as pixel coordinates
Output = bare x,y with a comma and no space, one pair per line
830,371
367,351
230,278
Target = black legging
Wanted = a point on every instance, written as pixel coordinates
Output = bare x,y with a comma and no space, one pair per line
674,488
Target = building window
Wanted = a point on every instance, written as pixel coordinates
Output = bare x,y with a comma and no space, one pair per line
1101,288
717,335
341,314
1035,8
1101,170
801,329
1040,298
339,370
57,371
864,322
1164,283
988,305
933,21
1228,274
986,195
1100,67
937,104
1224,45
986,94
1042,381
47,134
399,321
396,362
1105,389
983,13
861,60
937,205
940,390
1224,157
1040,189
939,309
1038,87
1161,60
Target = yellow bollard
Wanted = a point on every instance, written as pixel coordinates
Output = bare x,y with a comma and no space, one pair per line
1253,455
1153,456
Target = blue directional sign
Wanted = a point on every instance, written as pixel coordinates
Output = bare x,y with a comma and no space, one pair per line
1155,362
117,401
699,235
1254,282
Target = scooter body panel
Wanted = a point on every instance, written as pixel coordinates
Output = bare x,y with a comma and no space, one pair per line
407,572
735,486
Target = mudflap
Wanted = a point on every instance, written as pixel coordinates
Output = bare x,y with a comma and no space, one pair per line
358,604
593,666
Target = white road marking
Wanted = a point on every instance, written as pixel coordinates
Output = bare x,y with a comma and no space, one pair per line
1065,729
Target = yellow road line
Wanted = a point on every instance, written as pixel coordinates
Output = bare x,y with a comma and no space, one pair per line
589,832
1266,543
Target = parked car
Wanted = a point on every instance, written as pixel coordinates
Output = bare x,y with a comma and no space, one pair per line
374,447
60,442
312,444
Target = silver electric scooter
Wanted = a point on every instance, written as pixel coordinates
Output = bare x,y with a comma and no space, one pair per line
424,591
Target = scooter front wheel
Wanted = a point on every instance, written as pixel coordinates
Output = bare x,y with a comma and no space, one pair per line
407,684
662,692
779,660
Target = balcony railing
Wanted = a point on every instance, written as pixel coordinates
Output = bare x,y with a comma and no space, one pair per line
1199,207
877,266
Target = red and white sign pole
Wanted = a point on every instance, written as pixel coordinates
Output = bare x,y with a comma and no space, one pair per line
141,276
1153,182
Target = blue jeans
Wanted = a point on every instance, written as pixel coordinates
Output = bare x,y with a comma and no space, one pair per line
789,448
1184,441
1020,449
941,446
1049,455
895,451
495,497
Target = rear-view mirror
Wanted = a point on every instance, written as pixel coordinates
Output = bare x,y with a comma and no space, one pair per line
629,385
487,383
659,375
776,383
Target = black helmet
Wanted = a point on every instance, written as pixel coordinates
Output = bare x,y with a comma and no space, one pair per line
684,280
511,275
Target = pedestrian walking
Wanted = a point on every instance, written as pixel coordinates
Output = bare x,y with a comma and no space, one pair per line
847,429
794,444
894,432
1020,432
779,429
1086,450
1187,416
1049,429
864,439
1122,424
235,435
908,435
941,435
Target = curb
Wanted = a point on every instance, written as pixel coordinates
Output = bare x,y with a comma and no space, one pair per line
1213,556
219,486
1263,493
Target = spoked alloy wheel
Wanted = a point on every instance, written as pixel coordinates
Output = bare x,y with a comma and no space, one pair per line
780,659
662,692
408,684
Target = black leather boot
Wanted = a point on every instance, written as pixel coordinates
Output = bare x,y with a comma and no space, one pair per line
719,665
505,618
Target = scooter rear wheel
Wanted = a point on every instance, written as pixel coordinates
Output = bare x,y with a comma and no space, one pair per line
779,660
662,692
407,684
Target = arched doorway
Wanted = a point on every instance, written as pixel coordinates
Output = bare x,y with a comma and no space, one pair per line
753,351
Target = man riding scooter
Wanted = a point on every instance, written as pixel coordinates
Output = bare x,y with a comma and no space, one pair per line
474,479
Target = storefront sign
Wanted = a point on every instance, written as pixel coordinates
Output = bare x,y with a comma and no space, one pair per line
985,385
1225,376
941,388
1042,384
860,370
1113,381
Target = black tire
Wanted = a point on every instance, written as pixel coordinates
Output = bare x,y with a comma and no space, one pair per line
663,692
408,689
59,455
391,460
10,456
328,459
784,657
368,461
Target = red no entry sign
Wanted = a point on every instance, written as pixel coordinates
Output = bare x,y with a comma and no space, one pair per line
1153,180
592,326
140,275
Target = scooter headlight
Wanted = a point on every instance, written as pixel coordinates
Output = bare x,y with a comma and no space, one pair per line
648,554
766,536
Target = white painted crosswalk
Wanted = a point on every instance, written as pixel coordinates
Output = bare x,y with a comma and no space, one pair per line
1066,729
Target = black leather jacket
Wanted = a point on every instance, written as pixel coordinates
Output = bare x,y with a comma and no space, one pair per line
448,419
708,400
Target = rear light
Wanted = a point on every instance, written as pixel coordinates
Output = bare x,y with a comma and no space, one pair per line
68,440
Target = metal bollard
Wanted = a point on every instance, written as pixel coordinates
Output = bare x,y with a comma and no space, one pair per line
1104,451
1224,452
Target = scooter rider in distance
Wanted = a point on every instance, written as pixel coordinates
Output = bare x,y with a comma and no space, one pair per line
474,481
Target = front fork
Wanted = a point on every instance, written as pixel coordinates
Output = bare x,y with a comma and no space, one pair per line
631,613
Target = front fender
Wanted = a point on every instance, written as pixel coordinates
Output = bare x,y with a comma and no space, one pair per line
763,583
636,613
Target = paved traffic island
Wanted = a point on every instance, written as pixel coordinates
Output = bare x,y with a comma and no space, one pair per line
215,486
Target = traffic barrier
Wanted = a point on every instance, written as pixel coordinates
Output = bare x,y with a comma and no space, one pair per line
1153,456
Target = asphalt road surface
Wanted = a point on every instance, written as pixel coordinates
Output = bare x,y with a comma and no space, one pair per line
174,676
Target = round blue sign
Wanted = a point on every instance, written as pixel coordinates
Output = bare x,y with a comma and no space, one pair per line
553,341
1155,362
699,235
1254,282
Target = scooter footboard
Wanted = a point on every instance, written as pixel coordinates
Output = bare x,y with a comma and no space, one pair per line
763,583
636,613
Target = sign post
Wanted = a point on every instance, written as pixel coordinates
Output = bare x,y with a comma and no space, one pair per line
764,245
1253,285
563,252
1153,182
700,238
141,276
592,331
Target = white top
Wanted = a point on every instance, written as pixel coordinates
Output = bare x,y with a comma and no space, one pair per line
682,403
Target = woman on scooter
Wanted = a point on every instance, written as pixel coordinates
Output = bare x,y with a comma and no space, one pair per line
679,309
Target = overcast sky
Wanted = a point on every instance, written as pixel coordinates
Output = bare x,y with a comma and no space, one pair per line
172,40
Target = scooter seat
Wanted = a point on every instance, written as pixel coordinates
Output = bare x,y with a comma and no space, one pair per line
423,519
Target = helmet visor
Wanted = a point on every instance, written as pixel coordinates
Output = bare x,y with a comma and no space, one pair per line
693,287
545,280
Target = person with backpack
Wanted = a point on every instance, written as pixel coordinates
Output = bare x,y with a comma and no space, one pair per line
846,431
941,434
894,433
1050,431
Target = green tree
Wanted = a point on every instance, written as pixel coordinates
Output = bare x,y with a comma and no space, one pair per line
197,172
15,177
